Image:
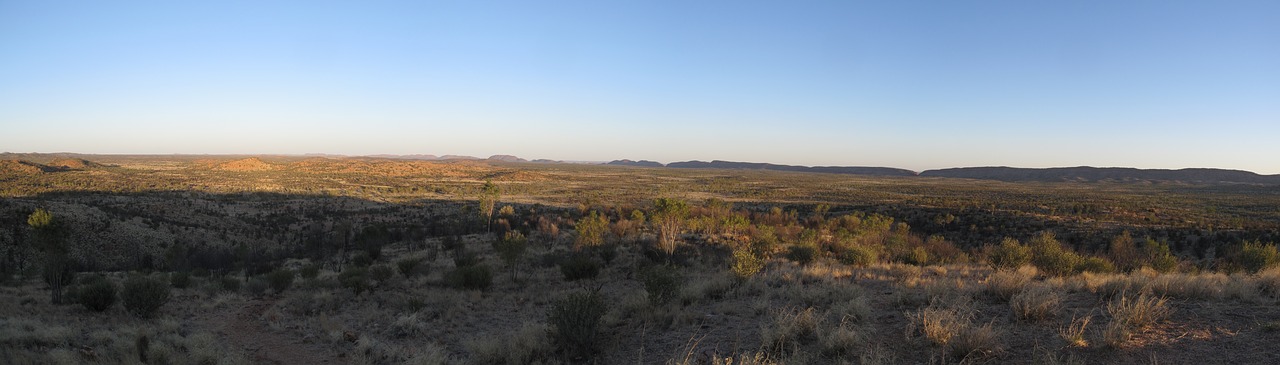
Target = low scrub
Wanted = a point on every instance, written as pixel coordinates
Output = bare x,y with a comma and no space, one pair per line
97,294
661,283
475,277
280,280
790,329
579,267
143,296
575,323
1004,284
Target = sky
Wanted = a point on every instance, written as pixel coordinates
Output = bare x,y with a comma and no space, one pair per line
909,84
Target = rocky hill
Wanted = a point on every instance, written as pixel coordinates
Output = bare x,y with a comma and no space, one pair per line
641,163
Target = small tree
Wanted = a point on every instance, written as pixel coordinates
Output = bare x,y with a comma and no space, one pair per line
591,230
668,219
49,237
488,199
1256,256
511,249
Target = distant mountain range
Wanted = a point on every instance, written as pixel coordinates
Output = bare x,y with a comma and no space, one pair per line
36,163
1102,174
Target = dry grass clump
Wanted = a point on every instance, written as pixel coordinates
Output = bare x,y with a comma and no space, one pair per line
527,345
1036,302
790,328
952,327
1073,333
1133,313
842,339
1269,281
430,354
1190,286
1004,284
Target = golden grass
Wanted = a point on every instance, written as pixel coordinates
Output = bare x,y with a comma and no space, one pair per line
1036,302
1005,284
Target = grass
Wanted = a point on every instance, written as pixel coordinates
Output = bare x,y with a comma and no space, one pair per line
1037,302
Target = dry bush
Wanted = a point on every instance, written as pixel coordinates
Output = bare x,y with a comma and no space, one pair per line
790,327
1268,281
841,339
856,309
430,354
938,324
1036,302
1190,286
1132,313
1139,312
975,342
1073,333
1004,284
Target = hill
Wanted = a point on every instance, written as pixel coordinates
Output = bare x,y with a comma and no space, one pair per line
850,170
641,163
1104,174
23,167
74,163
246,164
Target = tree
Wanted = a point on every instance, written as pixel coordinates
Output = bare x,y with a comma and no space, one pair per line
668,219
591,230
49,236
488,199
511,249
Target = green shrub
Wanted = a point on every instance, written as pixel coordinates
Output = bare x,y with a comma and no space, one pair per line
309,271
280,279
746,263
381,273
575,322
578,267
408,266
1255,256
361,259
474,277
97,294
662,283
256,286
1010,254
801,254
354,278
180,280
1096,265
1048,255
859,255
230,284
917,256
143,296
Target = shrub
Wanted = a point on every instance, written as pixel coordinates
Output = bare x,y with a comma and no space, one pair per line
180,280
1139,312
361,259
280,279
1010,254
1050,257
859,255
1074,333
1255,256
230,284
407,266
578,267
746,263
511,249
464,258
309,271
1096,265
98,294
143,296
917,256
354,278
662,284
801,254
381,273
575,321
256,286
474,277
974,342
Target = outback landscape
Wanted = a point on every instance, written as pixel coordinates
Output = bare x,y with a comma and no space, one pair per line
213,259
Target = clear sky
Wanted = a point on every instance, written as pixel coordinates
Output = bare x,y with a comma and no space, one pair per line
911,84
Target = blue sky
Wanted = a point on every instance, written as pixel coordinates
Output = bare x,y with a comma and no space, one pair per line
912,84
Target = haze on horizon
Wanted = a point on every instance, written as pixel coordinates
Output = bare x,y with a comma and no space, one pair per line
909,84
